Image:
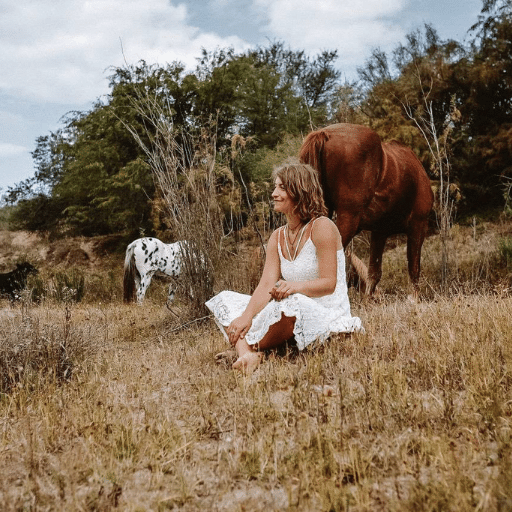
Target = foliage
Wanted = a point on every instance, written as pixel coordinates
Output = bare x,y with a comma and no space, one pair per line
5,214
61,286
507,195
475,79
91,178
396,88
183,169
37,355
37,213
505,251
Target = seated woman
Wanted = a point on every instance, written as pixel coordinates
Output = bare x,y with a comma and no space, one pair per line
302,292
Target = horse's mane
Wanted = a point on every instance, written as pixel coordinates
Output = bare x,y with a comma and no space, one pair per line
312,149
395,142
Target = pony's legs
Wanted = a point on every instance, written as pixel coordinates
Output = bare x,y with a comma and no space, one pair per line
377,243
142,286
171,293
136,280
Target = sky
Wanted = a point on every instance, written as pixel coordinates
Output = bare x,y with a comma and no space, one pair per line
56,55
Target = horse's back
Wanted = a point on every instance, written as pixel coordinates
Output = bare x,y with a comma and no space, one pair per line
412,180
383,184
343,146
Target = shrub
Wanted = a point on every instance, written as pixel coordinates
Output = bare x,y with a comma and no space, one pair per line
505,251
63,286
32,352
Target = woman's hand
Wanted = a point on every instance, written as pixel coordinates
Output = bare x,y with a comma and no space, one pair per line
283,289
238,328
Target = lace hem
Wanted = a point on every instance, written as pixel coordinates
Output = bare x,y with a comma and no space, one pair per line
313,321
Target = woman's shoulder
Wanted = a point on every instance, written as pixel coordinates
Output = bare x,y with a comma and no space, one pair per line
324,229
323,224
275,235
323,221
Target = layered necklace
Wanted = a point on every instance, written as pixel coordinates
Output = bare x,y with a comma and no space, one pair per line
298,235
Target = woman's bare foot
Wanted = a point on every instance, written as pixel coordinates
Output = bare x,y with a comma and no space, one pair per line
248,362
228,356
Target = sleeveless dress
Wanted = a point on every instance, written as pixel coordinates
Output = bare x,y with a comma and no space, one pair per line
316,317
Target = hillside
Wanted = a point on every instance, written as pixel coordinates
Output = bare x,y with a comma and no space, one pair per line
471,244
64,253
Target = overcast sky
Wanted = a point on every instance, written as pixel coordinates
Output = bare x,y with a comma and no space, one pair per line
55,55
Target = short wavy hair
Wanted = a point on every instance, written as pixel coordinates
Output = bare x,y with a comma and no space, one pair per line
302,184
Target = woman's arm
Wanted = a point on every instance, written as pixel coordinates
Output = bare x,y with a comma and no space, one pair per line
271,273
261,296
327,241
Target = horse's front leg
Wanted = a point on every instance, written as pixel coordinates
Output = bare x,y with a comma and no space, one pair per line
377,244
348,225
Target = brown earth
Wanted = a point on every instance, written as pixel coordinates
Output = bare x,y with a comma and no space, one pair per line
36,248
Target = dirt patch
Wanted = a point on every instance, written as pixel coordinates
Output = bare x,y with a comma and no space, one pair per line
67,252
17,245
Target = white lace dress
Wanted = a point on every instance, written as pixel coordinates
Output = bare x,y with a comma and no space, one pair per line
316,317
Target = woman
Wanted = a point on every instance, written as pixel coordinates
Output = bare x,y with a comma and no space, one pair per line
302,292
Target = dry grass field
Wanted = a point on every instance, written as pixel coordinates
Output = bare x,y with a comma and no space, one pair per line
106,406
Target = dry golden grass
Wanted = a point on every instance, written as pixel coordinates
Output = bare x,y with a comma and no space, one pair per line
415,414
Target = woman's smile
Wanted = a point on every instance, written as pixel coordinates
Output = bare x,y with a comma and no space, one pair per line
282,201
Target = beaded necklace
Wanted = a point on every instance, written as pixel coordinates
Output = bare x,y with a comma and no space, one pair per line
298,243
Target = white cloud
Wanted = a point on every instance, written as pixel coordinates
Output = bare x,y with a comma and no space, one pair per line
58,50
351,27
8,150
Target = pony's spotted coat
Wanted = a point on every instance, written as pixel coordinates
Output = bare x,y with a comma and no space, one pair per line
144,257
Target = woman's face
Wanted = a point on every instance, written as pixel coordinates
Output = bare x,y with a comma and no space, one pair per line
282,201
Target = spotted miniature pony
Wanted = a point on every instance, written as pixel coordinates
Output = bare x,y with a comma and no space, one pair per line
144,257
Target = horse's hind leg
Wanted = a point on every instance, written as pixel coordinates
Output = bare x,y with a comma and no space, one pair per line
142,285
377,244
171,293
415,239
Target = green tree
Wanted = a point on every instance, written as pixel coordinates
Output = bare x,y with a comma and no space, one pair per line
93,178
266,92
423,73
488,112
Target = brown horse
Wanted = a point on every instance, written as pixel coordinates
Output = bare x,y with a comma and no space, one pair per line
374,186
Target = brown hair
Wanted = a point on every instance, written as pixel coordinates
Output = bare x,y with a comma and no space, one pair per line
303,186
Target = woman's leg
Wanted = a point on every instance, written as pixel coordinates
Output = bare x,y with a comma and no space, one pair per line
278,333
248,358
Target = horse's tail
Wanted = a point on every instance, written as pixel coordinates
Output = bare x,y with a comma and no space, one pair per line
357,273
312,153
129,275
